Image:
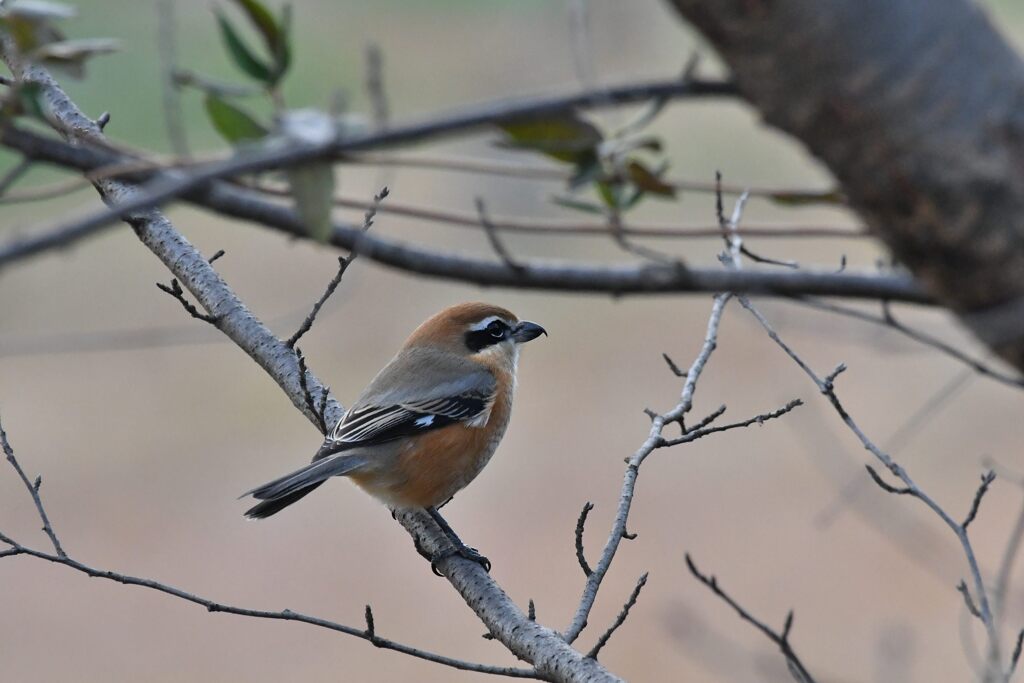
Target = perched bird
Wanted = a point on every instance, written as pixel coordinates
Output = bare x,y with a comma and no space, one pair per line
428,423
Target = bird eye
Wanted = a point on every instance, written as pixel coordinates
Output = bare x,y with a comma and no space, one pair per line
496,329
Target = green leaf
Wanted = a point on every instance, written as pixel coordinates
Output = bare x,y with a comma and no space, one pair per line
274,32
241,54
283,51
312,189
610,193
649,181
262,19
565,138
233,123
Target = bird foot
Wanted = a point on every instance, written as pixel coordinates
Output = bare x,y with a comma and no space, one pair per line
471,554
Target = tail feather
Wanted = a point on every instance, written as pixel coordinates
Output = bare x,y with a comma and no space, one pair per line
283,491
265,508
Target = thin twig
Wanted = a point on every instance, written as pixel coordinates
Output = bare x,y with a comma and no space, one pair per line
698,432
573,228
343,263
827,388
175,290
1015,657
653,441
620,619
968,601
547,173
888,320
317,412
580,525
780,638
14,174
33,490
283,615
492,236
375,89
986,482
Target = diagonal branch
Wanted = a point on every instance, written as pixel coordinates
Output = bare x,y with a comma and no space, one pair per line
552,657
780,638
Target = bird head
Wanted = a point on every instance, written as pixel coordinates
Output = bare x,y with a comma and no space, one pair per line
477,330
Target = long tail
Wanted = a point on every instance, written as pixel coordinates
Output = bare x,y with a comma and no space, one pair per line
284,491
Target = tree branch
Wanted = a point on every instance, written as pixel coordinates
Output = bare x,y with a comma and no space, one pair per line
552,657
545,275
61,558
781,639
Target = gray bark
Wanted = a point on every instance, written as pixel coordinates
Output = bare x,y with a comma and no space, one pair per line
917,107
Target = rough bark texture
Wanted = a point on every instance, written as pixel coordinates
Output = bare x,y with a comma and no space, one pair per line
917,107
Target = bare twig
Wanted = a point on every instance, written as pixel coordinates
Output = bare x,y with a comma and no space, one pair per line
654,440
701,431
620,619
375,86
14,174
889,320
33,490
888,488
575,228
827,388
368,635
175,290
580,525
546,173
672,366
343,263
780,638
492,236
317,411
1015,657
968,601
986,482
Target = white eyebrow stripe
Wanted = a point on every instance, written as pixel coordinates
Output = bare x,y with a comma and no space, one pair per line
487,321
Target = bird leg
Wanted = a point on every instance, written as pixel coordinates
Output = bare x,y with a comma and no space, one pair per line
458,547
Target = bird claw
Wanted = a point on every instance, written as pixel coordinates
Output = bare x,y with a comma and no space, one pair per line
464,551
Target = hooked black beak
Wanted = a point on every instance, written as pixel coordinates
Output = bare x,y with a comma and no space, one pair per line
525,331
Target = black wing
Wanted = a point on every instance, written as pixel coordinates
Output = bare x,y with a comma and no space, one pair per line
368,425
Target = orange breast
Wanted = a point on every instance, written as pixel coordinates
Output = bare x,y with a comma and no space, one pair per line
433,467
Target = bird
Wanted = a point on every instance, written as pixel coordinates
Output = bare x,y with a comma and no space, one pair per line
427,423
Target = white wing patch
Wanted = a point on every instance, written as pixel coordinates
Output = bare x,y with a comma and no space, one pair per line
425,421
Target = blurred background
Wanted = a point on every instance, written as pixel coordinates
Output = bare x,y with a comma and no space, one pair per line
146,425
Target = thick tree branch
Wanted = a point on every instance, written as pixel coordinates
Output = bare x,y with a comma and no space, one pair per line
646,278
916,109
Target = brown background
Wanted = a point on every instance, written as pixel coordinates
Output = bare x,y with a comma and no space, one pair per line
160,423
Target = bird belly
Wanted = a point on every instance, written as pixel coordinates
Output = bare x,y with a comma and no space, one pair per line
432,468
